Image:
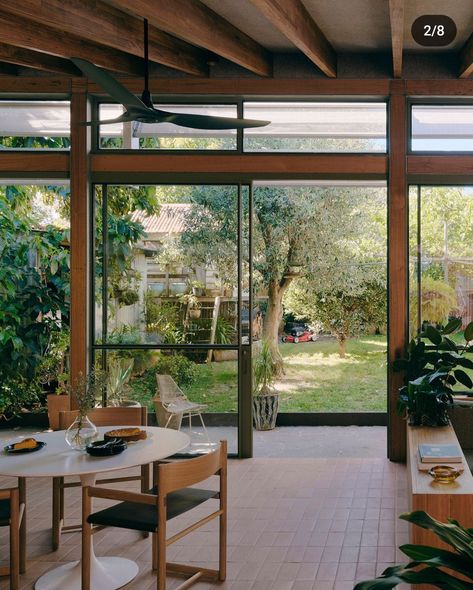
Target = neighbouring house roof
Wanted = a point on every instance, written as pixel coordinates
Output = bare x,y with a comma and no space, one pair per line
170,220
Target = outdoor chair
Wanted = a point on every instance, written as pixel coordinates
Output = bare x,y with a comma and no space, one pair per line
113,416
12,514
149,512
176,403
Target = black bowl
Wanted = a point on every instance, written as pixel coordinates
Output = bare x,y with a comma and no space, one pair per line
102,448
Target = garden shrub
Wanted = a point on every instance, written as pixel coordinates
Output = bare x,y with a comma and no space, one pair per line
17,394
181,369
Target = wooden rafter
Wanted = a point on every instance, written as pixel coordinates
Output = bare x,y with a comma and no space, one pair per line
197,24
466,59
93,21
396,16
293,20
27,34
36,60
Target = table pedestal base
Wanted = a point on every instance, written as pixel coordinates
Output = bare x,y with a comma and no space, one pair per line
106,573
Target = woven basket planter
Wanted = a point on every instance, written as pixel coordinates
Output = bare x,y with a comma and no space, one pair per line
265,411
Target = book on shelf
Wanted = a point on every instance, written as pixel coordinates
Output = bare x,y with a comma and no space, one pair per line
447,453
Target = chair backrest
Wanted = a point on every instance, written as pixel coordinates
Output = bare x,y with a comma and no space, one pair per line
168,390
181,474
112,416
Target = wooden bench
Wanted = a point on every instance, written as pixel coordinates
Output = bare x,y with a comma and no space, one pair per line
441,501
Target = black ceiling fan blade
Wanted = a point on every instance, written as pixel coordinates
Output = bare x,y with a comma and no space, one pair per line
125,118
207,121
108,83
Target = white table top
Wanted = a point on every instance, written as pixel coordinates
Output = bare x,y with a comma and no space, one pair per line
57,459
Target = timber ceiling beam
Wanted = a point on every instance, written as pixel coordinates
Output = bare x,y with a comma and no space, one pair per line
92,21
396,16
293,20
195,23
21,32
466,58
36,60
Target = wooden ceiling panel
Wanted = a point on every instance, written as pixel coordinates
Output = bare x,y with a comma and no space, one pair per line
21,32
36,60
295,23
94,21
396,15
195,23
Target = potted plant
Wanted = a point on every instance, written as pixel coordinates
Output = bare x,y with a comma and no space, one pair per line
118,374
224,334
427,561
193,305
198,288
434,365
265,398
60,401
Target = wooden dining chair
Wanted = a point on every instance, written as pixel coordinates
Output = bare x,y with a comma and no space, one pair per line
110,416
12,514
149,512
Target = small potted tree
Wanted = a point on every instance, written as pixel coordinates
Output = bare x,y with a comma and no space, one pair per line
265,397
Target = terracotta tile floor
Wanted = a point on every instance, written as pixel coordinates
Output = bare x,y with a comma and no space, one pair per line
294,524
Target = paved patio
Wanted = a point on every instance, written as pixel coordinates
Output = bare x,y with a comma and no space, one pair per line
295,522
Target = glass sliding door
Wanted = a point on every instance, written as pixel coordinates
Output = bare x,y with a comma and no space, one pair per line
319,275
441,255
169,289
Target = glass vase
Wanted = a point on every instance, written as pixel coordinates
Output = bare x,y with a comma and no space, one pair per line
80,433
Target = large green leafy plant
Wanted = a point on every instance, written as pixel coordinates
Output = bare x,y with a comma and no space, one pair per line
428,562
435,363
34,300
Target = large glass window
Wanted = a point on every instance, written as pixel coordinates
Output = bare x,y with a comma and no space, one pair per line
166,136
441,255
166,264
168,295
319,274
316,127
442,128
27,124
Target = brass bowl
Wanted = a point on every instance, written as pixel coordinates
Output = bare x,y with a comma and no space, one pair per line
444,473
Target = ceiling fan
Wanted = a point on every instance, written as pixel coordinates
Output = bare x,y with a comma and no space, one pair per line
142,109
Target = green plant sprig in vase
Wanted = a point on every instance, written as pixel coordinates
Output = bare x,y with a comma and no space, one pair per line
85,392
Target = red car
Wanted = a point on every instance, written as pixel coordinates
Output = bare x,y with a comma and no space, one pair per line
300,335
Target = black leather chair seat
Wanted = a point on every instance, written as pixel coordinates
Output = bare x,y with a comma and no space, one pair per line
143,517
4,512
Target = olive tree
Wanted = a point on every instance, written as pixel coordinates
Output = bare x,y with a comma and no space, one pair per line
297,231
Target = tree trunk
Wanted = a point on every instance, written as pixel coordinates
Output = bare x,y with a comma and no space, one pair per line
272,320
342,339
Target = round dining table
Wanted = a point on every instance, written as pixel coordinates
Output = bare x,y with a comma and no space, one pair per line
57,459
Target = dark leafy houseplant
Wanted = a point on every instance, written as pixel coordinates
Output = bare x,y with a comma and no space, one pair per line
427,562
435,363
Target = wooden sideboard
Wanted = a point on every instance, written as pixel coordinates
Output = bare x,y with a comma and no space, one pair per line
441,501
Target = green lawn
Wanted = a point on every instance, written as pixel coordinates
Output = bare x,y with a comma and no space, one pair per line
316,379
